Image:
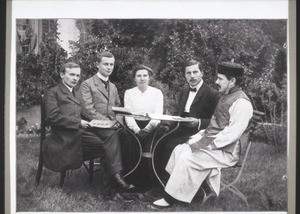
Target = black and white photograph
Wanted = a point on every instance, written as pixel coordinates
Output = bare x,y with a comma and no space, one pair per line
147,113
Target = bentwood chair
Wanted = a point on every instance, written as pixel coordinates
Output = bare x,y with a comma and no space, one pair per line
130,158
88,158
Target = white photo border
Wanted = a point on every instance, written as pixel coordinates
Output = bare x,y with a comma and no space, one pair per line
226,9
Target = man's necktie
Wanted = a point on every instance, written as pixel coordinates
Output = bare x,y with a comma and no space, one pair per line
193,89
105,84
73,92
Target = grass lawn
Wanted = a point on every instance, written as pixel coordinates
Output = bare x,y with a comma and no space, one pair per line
263,182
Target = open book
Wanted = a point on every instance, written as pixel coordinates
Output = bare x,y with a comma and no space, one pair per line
104,124
127,112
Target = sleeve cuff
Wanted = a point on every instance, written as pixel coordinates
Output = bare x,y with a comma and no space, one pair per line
136,131
148,129
199,125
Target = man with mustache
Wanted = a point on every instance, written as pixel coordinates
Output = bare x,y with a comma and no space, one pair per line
197,102
99,95
204,155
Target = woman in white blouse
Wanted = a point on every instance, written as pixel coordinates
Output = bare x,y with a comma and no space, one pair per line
143,99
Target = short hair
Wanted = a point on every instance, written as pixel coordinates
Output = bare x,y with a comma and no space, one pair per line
104,54
192,62
232,70
238,80
142,67
68,65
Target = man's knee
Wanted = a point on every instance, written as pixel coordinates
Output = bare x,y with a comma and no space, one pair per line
182,148
106,133
182,152
88,136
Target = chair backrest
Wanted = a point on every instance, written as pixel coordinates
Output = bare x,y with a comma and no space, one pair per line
256,118
43,119
244,140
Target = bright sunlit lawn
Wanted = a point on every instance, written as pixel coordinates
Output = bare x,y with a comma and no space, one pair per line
263,182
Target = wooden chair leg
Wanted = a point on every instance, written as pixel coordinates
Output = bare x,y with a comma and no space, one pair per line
39,171
62,178
91,171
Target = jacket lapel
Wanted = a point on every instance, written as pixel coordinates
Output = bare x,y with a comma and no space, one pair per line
100,86
182,102
76,98
69,94
199,94
110,90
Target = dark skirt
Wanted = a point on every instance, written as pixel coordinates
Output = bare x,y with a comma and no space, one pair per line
143,176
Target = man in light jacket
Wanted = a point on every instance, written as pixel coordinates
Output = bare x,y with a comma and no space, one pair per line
99,95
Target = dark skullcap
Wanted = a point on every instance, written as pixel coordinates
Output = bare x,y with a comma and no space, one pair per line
142,67
231,69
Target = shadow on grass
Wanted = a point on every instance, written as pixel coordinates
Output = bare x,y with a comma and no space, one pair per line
262,182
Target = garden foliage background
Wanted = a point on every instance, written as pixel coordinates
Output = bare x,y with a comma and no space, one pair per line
164,45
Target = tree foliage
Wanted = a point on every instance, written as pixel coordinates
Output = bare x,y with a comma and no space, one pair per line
166,44
37,72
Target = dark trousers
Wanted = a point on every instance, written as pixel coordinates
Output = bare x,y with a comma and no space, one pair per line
105,141
146,142
143,176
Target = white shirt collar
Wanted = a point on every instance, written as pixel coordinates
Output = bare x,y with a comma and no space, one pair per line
102,77
137,88
198,86
70,88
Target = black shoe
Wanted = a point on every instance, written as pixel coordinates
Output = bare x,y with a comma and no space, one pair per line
121,198
121,184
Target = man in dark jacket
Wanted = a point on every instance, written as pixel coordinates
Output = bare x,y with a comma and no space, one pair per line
62,150
197,102
71,136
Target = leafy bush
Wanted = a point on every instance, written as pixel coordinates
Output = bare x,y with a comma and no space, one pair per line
21,125
273,134
164,45
37,72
